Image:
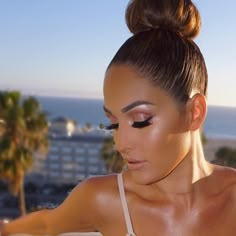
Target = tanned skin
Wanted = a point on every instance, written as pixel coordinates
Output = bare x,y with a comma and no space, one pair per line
170,188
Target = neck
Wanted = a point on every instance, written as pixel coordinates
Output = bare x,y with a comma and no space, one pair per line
190,174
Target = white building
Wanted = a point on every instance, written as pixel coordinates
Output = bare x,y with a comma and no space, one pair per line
71,158
62,125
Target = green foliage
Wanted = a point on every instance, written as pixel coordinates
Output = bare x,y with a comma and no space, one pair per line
226,156
23,132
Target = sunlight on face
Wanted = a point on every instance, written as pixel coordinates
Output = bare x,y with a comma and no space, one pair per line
149,130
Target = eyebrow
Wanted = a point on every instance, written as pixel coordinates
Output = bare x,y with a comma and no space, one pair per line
130,106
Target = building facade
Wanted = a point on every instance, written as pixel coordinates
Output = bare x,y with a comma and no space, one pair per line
71,158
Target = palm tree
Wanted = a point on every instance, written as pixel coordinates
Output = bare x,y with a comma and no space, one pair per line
113,161
23,133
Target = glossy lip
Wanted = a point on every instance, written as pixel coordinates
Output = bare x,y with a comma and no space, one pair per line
135,164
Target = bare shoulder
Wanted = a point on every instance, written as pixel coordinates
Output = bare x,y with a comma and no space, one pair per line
102,180
227,172
104,190
95,190
82,210
86,204
104,197
97,186
226,178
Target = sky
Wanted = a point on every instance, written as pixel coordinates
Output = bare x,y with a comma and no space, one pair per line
62,47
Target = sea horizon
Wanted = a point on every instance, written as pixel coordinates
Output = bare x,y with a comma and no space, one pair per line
219,122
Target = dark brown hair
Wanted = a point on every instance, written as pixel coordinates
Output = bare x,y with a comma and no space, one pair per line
162,47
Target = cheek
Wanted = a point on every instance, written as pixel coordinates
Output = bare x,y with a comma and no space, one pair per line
165,143
163,128
164,152
156,140
158,134
151,142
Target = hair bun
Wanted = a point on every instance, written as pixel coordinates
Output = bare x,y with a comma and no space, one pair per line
180,16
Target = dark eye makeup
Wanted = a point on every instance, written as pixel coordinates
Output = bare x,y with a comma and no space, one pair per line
136,124
142,124
111,126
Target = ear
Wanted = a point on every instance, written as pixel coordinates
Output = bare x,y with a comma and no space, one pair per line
197,110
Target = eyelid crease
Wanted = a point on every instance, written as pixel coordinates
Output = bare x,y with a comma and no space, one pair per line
142,124
135,104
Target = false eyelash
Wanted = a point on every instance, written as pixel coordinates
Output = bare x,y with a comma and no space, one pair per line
142,124
136,124
112,126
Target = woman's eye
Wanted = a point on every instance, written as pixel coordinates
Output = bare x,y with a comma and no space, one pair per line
142,124
112,126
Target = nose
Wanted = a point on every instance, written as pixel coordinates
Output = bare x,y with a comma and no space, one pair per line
122,140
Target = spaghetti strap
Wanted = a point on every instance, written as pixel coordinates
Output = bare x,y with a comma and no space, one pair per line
125,206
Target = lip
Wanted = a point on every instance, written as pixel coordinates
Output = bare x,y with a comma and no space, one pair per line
135,164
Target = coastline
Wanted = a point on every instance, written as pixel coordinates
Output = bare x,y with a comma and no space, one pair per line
214,143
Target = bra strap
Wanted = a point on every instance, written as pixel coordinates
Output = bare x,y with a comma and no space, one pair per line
124,205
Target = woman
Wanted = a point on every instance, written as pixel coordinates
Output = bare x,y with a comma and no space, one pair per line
155,92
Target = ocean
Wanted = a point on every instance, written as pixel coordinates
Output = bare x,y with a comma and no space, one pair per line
220,121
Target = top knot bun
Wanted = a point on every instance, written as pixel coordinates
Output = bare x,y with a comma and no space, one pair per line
180,16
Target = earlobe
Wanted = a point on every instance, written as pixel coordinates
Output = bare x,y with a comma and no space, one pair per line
198,111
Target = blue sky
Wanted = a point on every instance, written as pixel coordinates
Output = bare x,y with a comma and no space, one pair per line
62,47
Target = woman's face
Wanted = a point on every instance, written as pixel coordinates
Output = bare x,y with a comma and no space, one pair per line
149,130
